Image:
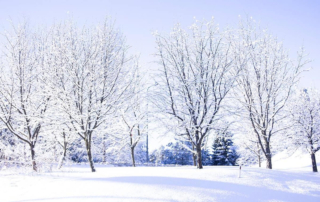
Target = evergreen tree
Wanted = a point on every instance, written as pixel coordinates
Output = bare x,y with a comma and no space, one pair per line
206,157
223,151
173,153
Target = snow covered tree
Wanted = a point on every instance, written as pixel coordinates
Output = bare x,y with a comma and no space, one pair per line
206,157
11,148
134,116
223,152
219,152
249,148
78,152
305,112
24,96
266,81
135,130
183,153
196,76
92,73
173,154
64,139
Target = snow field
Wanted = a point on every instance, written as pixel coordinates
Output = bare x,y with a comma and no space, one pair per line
219,183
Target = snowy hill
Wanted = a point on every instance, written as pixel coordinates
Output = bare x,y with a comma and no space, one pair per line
298,160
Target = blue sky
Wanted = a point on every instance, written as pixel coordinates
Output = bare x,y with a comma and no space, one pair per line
296,23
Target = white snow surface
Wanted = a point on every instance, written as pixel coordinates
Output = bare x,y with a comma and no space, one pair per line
213,183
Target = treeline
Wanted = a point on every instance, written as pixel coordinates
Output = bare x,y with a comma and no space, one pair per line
76,92
222,152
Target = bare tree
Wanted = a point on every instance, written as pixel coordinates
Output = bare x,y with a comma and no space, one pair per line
195,79
132,125
135,130
92,75
135,119
250,143
266,82
305,112
64,139
24,97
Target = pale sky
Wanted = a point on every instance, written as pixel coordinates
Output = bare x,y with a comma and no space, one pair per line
296,23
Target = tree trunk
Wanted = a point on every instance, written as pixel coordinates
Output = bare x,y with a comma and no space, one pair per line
34,165
24,153
199,157
314,162
63,157
147,149
132,156
259,159
88,147
194,156
268,156
104,160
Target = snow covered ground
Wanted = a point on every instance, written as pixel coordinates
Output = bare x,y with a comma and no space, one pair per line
77,183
